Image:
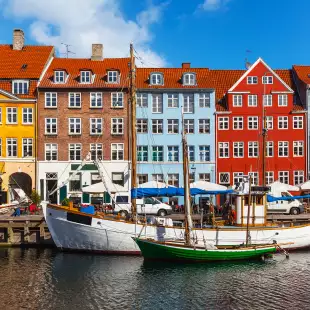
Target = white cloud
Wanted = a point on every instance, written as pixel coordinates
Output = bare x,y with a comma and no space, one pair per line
213,5
83,22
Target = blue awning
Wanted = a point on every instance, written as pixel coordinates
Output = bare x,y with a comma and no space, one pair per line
289,198
173,191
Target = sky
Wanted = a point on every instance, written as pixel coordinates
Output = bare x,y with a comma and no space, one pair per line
218,34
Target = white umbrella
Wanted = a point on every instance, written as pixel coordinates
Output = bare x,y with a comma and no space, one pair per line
154,184
208,186
100,188
283,187
305,186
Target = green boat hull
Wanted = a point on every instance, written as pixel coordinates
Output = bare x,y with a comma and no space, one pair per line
152,250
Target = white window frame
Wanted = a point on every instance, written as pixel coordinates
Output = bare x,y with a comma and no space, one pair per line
204,153
267,79
49,122
173,101
75,148
25,91
254,121
204,125
96,151
253,147
252,100
267,100
173,153
13,112
269,146
27,144
298,149
191,152
237,101
75,121
59,76
158,124
239,147
142,153
300,175
284,145
188,103
95,126
173,179
118,149
142,125
118,98
142,100
283,121
237,120
282,175
269,121
189,79
223,149
238,177
157,103
51,150
156,78
159,149
85,77
282,100
223,121
95,100
189,126
204,100
117,126
52,98
269,177
224,178
26,111
298,121
113,77
255,177
172,126
252,80
75,96
11,143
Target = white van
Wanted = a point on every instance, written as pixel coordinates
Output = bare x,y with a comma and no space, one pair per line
122,206
282,206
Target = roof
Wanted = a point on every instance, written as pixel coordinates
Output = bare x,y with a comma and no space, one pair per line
303,73
99,68
33,58
7,86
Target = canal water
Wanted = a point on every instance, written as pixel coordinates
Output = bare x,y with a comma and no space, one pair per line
47,279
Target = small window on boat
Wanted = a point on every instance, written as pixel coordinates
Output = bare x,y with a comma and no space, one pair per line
122,199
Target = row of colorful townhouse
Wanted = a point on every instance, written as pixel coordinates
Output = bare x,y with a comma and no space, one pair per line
54,111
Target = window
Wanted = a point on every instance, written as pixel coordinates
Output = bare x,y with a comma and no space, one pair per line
223,123
85,76
118,178
204,177
11,115
157,126
173,179
284,177
224,178
269,149
157,153
11,147
51,150
237,100
117,151
267,79
142,126
59,76
27,116
95,178
173,100
51,126
223,149
255,178
74,100
269,177
253,149
112,76
117,126
269,122
189,79
117,100
238,178
252,100
0,115
252,122
158,177
142,100
96,151
204,152
191,152
96,100
282,122
189,126
20,87
267,100
191,177
298,148
75,150
297,122
142,153
75,183
188,103
252,79
95,126
51,100
238,149
75,126
298,177
173,153
142,178
283,148
204,125
282,100
238,122
156,79
27,147
173,126
204,100
157,103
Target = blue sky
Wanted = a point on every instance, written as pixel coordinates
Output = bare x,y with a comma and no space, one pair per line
207,33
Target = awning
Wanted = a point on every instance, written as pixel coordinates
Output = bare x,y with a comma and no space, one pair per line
283,187
286,198
208,186
98,188
154,184
305,186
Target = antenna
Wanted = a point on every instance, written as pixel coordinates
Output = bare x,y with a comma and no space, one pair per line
67,50
247,63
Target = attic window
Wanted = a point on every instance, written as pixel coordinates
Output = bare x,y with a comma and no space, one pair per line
24,66
112,76
267,79
59,76
20,87
189,79
156,79
85,76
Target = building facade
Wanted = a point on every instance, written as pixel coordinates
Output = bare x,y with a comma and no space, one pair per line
163,96
240,126
20,69
83,114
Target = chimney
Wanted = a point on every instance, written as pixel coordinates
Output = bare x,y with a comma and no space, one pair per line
18,39
97,52
186,65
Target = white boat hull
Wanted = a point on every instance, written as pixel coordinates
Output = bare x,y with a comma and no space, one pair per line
114,236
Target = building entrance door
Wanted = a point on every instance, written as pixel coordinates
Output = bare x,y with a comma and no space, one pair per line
51,185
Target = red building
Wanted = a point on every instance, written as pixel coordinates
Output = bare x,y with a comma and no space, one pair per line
239,119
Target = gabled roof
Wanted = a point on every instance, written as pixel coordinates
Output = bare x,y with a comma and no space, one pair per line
303,73
6,85
27,63
246,73
73,66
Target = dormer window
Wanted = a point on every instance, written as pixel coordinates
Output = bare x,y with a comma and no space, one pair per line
59,76
189,79
85,76
157,79
112,76
20,87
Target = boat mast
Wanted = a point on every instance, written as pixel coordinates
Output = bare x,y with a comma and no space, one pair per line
133,129
249,210
264,134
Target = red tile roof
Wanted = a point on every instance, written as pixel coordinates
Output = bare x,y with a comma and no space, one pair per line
100,67
35,57
7,86
303,73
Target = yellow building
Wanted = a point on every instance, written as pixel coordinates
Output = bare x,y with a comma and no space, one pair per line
21,67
